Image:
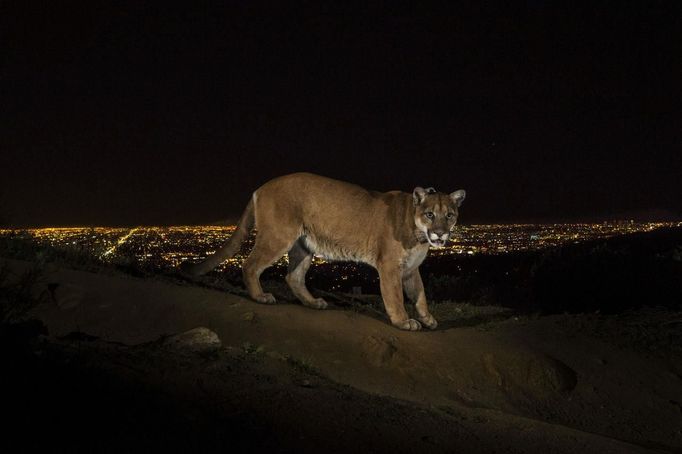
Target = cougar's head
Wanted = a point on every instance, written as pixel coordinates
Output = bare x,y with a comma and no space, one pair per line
435,214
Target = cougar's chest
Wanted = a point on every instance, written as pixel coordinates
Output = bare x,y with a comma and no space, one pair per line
414,257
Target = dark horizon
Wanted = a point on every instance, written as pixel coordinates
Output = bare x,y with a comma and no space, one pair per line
232,222
652,215
122,114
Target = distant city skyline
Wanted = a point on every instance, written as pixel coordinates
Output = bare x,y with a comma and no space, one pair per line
165,248
173,244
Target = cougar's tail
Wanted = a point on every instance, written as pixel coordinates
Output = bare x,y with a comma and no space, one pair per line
230,249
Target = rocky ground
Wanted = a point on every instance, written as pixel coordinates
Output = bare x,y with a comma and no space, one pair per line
111,373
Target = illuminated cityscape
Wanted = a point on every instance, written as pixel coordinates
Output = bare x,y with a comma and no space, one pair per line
167,247
164,248
505,238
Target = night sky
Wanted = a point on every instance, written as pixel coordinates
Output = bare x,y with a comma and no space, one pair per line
119,113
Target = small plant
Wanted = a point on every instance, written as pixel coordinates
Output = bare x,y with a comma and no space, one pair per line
16,295
253,351
21,245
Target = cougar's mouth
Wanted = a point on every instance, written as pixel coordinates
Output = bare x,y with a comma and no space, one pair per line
437,240
436,243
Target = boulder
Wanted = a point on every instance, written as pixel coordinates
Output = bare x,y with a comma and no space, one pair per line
533,375
199,340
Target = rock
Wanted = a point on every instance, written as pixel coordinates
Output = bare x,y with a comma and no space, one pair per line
535,376
378,351
548,372
65,295
198,340
249,316
307,384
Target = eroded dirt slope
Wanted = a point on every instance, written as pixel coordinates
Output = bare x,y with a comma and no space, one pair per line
515,371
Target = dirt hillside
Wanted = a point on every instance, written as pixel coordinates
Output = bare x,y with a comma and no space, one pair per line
568,380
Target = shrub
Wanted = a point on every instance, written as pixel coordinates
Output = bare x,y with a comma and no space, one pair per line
16,295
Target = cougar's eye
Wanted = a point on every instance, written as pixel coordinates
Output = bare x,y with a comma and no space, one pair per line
429,215
449,215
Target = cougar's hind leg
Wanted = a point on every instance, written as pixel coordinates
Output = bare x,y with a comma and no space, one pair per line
269,247
300,259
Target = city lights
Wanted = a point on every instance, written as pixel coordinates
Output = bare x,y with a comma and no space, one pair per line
167,247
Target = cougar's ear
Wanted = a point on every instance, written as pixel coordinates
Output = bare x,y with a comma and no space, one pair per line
458,196
418,194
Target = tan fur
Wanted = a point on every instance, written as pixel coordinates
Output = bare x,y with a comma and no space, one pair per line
304,214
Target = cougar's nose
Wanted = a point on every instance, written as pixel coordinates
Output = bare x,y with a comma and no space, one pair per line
439,234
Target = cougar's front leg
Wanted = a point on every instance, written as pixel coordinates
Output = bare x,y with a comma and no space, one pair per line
392,294
414,288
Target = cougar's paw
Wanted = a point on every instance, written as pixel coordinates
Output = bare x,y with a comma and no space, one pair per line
266,298
429,321
317,303
409,325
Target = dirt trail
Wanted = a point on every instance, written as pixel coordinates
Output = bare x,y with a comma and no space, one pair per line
513,372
